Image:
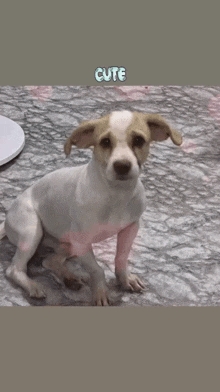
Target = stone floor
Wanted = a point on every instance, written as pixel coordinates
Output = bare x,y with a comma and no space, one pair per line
177,250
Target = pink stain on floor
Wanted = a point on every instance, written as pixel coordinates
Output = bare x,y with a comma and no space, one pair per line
188,146
206,179
40,92
132,93
214,108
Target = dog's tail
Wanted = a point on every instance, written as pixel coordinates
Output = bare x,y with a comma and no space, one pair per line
2,230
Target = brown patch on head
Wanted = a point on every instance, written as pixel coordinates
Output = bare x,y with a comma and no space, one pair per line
146,128
139,138
140,132
106,142
87,134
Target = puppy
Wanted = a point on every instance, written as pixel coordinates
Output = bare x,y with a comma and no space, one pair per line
86,204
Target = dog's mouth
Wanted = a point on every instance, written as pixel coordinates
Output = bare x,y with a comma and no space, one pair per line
123,177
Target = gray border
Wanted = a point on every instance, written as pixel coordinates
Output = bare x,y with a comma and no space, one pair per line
144,348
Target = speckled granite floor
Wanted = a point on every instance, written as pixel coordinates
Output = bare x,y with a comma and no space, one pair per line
177,251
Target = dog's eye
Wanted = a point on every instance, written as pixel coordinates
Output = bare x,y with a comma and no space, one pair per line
105,143
138,141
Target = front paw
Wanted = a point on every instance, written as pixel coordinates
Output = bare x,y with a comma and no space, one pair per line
130,282
36,290
100,295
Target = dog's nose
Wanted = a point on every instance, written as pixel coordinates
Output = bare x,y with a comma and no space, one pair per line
122,167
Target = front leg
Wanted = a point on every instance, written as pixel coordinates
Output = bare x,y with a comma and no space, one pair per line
125,240
99,289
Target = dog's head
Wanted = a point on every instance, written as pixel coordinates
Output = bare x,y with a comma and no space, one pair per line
121,141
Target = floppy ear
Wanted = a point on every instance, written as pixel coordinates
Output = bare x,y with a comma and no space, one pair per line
81,137
160,130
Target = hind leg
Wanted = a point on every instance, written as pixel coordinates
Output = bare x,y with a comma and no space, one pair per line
58,264
17,272
26,234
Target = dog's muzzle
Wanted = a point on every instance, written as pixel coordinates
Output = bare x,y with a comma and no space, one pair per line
122,168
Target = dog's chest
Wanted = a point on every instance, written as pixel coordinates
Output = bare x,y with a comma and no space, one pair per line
114,213
96,221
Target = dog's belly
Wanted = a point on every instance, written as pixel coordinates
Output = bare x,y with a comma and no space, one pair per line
102,231
78,243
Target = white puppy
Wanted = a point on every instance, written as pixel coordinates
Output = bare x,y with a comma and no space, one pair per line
86,204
